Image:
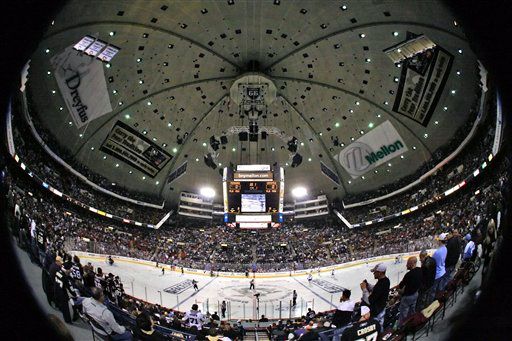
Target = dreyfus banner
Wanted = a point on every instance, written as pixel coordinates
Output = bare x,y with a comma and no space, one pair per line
81,82
130,146
421,84
378,146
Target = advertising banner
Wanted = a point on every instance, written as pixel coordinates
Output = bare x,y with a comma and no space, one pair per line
130,146
82,84
421,84
378,146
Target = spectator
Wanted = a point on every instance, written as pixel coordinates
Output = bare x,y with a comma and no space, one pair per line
144,331
408,289
96,310
469,249
344,311
376,296
440,258
367,328
428,270
453,247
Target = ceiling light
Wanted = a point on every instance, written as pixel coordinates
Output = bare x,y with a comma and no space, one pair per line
413,147
357,103
197,160
320,134
112,33
453,92
401,156
309,159
376,171
143,178
48,72
149,103
445,108
220,164
362,177
337,124
368,60
398,65
286,164
349,182
120,103
344,7
460,51
426,135
436,122
141,81
234,149
204,144
117,165
127,116
61,108
154,138
169,124
104,157
351,111
53,92
379,115
361,132
455,23
299,192
107,65
458,72
92,148
144,132
273,149
175,150
395,79
131,172
399,50
139,60
70,123
302,143
164,145
81,135
47,51
389,165
370,125
351,139
207,192
342,144
157,183
362,35
395,34
114,91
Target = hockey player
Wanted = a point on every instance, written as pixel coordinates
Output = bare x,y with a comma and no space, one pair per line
294,298
251,286
310,278
223,308
194,318
194,283
163,271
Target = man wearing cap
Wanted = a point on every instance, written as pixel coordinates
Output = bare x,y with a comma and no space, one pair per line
377,296
469,249
367,328
408,289
343,313
440,258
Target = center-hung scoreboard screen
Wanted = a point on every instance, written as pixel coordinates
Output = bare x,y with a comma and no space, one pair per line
253,196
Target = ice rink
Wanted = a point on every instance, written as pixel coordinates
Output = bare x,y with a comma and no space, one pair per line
174,289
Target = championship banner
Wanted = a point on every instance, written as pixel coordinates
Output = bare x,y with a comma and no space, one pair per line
421,84
81,82
130,146
378,146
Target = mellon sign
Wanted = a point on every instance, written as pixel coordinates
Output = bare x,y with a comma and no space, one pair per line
371,150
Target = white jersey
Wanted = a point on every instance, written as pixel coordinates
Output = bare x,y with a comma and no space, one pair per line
194,318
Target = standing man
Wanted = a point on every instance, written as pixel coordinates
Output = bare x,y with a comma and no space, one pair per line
163,271
440,258
428,275
408,289
223,309
376,296
469,250
453,247
294,298
251,286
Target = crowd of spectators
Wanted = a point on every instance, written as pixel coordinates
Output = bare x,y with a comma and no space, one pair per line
220,248
451,174
53,173
65,155
437,156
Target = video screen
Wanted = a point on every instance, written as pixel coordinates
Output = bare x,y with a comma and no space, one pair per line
253,203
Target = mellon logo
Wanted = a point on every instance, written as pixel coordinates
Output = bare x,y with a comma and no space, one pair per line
383,152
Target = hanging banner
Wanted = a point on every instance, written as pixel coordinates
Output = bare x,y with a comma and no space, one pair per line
82,84
378,146
130,146
421,84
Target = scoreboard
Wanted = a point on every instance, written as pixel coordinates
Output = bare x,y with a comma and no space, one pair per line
253,196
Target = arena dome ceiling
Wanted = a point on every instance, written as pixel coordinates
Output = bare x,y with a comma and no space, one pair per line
334,83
